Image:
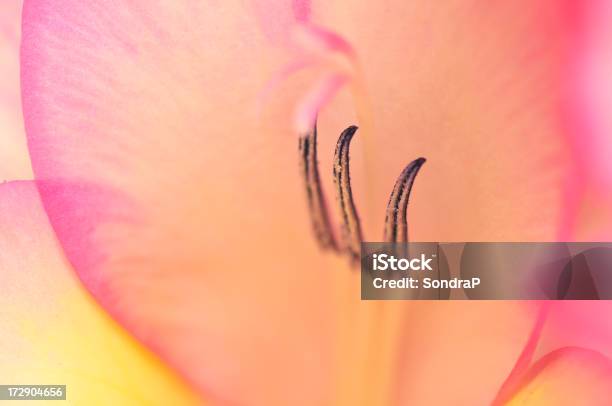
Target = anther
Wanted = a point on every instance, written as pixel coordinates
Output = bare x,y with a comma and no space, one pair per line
396,220
351,227
314,194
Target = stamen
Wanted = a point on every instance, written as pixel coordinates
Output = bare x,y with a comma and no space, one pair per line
396,221
351,227
314,193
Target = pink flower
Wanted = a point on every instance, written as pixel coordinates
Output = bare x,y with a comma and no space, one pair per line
181,210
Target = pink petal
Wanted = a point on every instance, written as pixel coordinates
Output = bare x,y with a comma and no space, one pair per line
52,331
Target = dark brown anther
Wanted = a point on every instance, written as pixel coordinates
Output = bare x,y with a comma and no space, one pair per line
316,200
351,228
396,220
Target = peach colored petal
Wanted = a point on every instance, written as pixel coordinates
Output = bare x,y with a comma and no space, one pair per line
53,332
476,88
14,160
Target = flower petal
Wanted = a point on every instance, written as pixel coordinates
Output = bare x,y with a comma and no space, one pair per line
53,332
